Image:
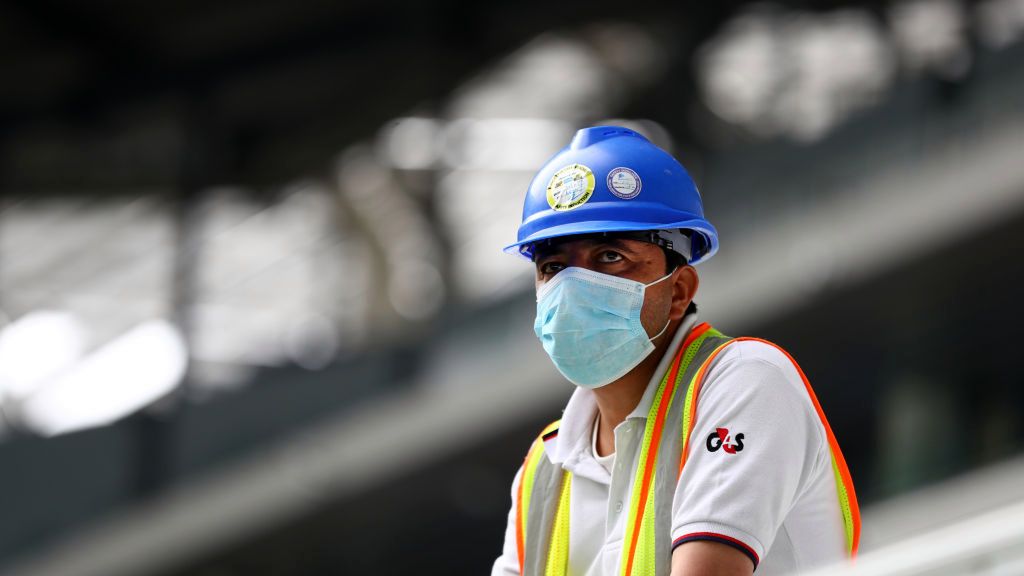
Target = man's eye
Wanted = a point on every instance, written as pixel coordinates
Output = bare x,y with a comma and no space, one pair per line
548,268
609,256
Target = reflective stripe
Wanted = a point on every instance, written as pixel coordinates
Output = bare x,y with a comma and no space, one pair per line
690,405
558,555
692,395
851,512
526,490
640,533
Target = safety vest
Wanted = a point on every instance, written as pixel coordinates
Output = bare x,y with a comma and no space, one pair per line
542,510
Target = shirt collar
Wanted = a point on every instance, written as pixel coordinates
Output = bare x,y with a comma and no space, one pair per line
647,400
573,439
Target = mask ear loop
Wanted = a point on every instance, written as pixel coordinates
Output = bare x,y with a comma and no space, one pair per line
671,272
653,338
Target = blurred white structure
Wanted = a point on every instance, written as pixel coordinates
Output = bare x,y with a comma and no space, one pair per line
971,526
122,376
774,71
500,126
51,384
267,273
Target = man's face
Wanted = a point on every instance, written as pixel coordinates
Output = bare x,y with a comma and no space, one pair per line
632,259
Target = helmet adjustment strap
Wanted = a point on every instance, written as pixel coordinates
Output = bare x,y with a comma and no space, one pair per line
648,236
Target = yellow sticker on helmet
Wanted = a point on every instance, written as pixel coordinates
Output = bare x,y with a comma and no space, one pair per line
570,187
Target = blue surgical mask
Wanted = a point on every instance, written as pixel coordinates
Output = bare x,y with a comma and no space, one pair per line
589,324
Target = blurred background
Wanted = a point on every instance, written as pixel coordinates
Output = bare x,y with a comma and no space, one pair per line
255,318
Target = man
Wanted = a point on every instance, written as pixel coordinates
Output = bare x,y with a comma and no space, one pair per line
682,451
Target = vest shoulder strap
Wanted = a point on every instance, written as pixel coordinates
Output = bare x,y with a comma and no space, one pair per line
844,483
647,541
540,476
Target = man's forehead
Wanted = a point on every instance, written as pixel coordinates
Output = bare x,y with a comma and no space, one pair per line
585,242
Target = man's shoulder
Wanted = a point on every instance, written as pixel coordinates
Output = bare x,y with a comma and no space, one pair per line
755,351
762,376
752,365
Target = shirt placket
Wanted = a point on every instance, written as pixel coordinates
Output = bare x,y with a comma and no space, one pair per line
627,441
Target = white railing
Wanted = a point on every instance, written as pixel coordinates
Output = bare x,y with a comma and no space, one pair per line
991,544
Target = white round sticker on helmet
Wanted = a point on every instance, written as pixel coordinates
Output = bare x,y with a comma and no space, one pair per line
624,183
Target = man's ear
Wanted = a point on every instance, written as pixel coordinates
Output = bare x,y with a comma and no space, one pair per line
684,288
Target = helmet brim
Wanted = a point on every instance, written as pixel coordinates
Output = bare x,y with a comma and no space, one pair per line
700,226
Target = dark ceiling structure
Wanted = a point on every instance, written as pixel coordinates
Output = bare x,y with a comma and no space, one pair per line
117,94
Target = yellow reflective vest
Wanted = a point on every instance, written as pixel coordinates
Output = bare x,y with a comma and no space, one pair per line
542,509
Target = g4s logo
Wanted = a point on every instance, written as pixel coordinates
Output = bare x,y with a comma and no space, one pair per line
720,438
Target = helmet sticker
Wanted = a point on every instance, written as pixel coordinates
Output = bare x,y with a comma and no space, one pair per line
570,187
624,183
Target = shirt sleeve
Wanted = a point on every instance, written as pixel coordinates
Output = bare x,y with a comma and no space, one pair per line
755,445
507,563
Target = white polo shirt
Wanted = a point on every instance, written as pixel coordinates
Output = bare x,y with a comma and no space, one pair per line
773,498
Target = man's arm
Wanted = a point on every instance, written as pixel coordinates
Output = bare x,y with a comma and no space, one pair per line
705,558
507,564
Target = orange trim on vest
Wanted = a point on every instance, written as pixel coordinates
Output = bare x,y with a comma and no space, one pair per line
659,422
529,466
699,377
693,335
844,471
520,537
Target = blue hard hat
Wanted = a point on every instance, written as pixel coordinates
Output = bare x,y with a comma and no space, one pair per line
612,179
